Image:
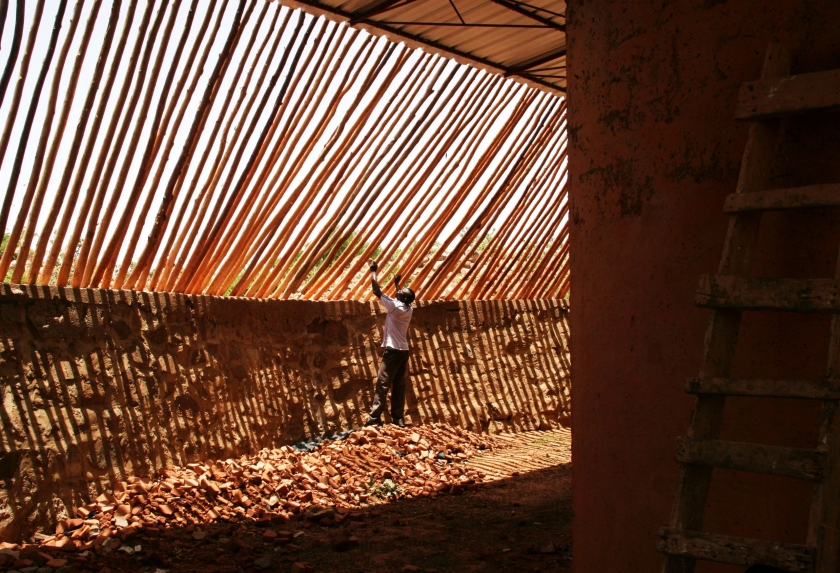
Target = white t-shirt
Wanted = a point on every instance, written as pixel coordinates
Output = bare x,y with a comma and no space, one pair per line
396,323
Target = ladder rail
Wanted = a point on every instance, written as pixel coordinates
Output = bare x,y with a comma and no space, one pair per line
722,331
824,517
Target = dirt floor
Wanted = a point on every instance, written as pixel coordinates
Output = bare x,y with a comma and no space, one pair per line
519,521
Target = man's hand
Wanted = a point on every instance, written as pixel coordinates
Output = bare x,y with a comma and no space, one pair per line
397,281
377,292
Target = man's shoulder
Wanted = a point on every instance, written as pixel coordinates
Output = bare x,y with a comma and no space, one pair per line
387,302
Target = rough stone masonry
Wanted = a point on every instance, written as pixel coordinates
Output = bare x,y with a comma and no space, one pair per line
98,385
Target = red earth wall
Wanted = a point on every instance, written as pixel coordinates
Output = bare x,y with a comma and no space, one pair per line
654,152
99,385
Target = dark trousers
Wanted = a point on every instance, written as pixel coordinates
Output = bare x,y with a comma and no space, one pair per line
391,374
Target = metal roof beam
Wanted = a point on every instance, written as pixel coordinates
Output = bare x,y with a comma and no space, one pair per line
519,69
319,7
374,8
516,7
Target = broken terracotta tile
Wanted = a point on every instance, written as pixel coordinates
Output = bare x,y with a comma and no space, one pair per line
333,480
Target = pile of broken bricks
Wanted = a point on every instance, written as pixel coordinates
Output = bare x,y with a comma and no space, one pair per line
324,486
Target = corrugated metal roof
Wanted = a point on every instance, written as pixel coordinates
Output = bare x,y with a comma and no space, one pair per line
522,39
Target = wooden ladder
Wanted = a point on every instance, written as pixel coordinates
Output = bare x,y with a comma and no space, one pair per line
728,294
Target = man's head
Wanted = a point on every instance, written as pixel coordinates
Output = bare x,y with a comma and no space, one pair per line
405,296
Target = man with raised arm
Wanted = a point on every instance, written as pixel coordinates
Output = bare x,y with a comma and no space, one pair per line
395,359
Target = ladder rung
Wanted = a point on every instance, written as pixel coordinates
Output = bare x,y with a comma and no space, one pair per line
802,93
793,198
808,389
754,293
759,458
740,551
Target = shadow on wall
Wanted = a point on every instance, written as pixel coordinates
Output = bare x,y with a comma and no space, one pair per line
97,385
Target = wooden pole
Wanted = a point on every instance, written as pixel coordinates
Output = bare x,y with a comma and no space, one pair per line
234,207
484,221
13,111
518,270
321,281
534,151
240,138
225,278
4,12
495,270
38,180
70,94
341,91
158,126
259,148
70,165
282,267
333,68
477,202
419,238
197,69
396,199
303,189
107,157
103,276
534,199
430,266
455,195
554,251
68,262
527,206
14,50
14,236
546,244
11,244
286,221
298,269
164,278
514,271
241,231
368,141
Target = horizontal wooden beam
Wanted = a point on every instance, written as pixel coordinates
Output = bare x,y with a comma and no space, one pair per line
803,93
739,551
806,389
757,458
754,293
778,199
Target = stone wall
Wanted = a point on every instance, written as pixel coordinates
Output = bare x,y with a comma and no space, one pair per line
97,384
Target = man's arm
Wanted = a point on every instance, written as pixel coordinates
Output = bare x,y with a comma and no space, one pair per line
377,292
397,280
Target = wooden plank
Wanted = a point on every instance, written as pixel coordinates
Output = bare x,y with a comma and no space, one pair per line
755,293
740,551
792,198
775,97
808,389
758,458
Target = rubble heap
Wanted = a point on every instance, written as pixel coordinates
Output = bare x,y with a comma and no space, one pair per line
368,466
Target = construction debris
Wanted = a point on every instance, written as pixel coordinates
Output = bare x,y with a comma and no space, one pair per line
323,487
